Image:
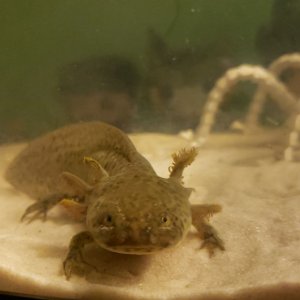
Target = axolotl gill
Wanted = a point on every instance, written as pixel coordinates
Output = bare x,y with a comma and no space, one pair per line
95,171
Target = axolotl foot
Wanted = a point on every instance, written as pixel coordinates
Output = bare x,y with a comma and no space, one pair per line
211,240
40,208
210,237
73,201
74,259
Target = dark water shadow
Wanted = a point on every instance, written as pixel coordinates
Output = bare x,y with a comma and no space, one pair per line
114,268
104,267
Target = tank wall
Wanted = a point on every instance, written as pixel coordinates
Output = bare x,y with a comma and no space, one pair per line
39,37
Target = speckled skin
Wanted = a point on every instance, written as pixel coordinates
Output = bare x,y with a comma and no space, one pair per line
149,213
127,207
36,169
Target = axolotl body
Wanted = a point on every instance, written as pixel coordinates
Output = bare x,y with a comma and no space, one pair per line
95,170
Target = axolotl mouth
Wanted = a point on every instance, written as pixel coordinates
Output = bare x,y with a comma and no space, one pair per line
138,242
135,250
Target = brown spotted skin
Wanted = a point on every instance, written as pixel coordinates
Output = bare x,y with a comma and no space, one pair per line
138,212
36,169
131,211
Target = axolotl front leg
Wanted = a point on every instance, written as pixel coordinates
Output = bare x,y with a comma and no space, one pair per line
200,218
75,203
75,257
200,213
73,200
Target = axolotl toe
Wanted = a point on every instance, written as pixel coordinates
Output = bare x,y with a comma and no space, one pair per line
95,171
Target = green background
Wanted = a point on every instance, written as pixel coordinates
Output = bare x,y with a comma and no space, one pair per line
38,37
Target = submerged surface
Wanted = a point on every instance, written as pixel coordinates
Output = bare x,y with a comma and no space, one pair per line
259,224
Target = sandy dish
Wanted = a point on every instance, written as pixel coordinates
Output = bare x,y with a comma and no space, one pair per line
260,225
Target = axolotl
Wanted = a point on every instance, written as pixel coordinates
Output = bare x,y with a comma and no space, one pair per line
95,170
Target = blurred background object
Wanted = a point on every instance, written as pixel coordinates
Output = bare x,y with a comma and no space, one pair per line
100,88
277,37
281,34
177,80
47,45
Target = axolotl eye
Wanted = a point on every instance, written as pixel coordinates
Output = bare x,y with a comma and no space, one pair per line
107,220
165,220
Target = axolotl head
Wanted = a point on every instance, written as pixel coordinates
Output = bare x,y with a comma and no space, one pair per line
139,213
